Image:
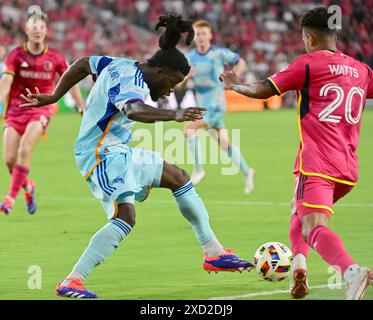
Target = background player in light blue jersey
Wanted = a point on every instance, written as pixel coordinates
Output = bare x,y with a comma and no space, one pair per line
118,174
208,62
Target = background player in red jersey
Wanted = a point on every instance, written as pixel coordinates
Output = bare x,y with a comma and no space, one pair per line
332,89
31,65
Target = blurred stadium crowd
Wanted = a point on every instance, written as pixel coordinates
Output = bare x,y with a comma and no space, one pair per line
265,32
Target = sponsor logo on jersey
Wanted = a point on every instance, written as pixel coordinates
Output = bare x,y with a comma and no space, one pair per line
36,75
24,64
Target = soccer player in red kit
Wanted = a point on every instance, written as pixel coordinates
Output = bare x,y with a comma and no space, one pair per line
332,89
31,65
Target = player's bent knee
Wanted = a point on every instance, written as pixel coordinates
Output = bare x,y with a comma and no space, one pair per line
173,177
24,152
10,163
305,234
127,213
311,222
307,230
131,220
182,178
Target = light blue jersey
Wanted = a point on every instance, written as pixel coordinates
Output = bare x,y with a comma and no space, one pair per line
104,127
116,173
209,89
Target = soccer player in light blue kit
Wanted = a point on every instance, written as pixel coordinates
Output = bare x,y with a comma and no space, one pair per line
117,174
208,62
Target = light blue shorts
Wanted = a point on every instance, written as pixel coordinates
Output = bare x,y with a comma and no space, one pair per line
214,117
123,177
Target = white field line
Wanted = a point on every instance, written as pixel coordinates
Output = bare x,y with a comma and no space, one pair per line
222,202
270,293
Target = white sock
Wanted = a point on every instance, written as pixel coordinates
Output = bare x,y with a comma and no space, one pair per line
213,247
299,262
350,272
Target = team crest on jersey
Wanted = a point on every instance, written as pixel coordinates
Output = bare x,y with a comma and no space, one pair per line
48,65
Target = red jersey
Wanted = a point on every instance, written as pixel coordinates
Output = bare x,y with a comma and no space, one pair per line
31,71
332,89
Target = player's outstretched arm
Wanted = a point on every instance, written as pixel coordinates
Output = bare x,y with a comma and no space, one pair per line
74,74
256,89
141,112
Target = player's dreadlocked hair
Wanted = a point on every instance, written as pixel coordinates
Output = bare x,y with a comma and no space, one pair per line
317,19
169,55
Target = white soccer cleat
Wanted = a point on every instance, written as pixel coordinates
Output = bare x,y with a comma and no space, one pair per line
249,181
356,288
197,176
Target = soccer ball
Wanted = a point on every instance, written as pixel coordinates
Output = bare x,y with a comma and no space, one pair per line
273,261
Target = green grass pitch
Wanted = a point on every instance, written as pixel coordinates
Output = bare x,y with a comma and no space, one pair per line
161,258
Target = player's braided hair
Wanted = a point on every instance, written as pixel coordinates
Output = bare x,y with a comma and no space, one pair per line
175,26
317,19
169,55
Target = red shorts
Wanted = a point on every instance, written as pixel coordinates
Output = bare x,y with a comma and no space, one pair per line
317,195
20,122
